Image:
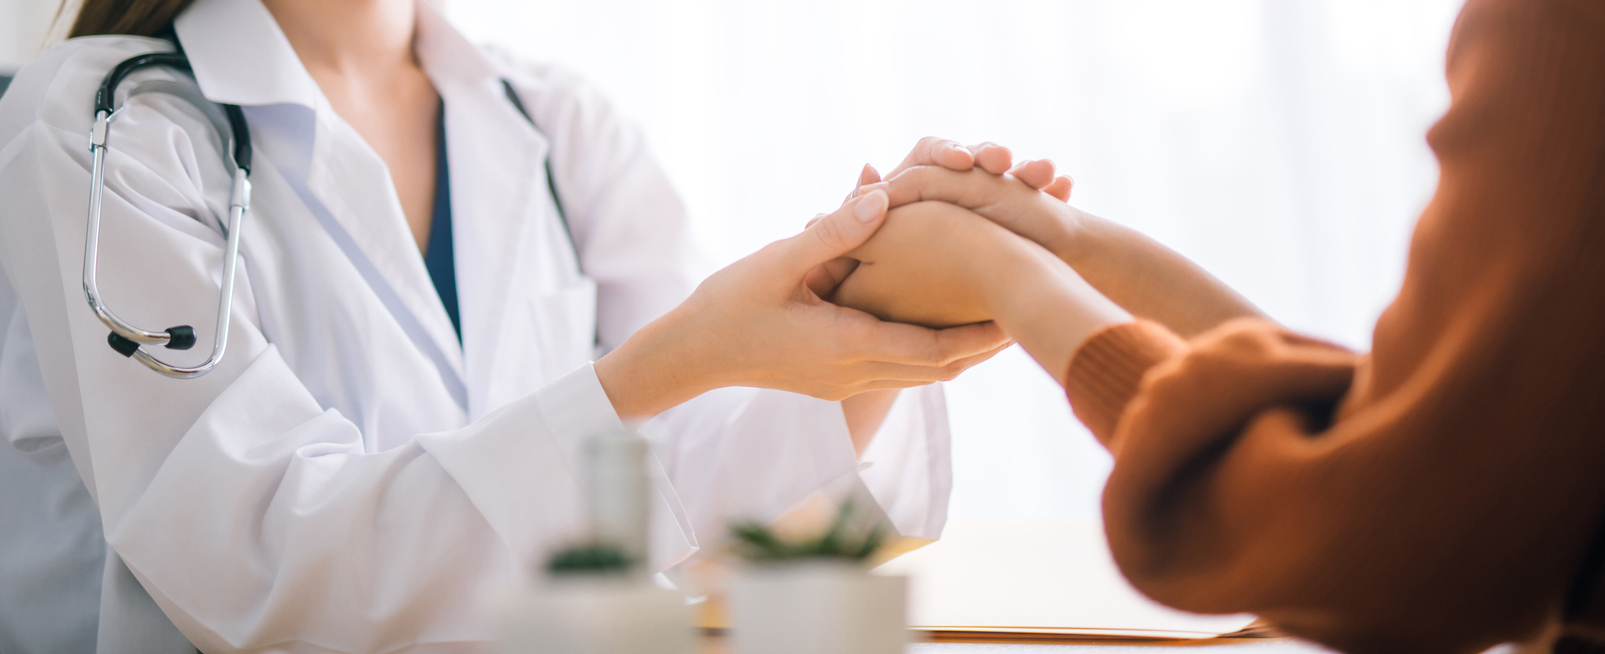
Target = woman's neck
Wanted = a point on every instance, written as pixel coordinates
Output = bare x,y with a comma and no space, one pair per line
346,39
361,56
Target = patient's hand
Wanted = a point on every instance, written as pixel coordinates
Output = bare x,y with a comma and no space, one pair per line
1135,271
1005,200
939,265
990,157
939,153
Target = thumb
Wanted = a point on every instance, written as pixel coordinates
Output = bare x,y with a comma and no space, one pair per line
836,234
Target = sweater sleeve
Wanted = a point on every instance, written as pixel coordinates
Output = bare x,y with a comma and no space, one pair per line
1436,494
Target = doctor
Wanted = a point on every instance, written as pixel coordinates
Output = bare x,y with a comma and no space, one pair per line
398,419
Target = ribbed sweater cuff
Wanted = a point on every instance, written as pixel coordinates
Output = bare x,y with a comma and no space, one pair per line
1106,372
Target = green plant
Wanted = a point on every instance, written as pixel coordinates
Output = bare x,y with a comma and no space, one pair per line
757,542
590,558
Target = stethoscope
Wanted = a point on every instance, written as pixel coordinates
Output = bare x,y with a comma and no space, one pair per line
229,121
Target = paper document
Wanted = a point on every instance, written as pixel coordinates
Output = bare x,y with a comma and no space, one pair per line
1043,577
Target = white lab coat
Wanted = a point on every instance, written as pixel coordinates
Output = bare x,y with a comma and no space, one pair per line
351,478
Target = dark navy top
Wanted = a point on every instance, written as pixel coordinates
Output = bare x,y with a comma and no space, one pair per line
438,256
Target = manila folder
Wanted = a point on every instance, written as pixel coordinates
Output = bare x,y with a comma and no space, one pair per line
1046,578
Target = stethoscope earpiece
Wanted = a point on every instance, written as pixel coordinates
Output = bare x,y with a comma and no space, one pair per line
181,337
122,345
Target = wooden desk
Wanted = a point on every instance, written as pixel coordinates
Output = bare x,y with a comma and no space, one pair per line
1212,646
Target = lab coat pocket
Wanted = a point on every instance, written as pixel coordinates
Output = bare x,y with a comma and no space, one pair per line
565,327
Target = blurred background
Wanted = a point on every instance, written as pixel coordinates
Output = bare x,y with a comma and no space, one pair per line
1279,144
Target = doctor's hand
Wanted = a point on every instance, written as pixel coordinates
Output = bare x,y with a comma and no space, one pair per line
759,323
938,264
943,153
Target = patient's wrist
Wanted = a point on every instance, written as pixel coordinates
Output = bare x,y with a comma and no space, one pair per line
1051,311
1071,235
1010,277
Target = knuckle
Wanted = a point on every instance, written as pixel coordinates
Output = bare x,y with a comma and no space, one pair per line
942,345
919,174
830,234
929,147
834,391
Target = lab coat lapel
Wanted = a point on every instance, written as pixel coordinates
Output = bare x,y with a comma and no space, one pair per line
497,186
496,167
353,183
340,171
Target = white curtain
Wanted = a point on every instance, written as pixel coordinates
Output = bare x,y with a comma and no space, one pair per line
1277,142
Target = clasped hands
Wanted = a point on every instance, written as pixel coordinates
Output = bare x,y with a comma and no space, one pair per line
872,297
970,239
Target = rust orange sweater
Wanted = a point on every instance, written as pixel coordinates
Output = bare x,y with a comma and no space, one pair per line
1441,493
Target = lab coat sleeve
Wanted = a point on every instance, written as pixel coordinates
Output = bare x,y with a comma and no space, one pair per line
736,453
253,516
749,454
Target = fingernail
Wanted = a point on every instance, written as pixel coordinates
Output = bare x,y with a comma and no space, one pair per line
877,186
870,206
959,149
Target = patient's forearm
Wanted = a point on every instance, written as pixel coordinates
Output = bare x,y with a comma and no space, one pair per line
1148,279
1143,276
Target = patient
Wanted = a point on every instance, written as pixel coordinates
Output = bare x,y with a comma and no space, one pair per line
1441,493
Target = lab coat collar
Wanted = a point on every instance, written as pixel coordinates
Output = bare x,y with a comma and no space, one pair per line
240,56
446,55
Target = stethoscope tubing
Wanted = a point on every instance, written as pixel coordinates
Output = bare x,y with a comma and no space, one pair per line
127,339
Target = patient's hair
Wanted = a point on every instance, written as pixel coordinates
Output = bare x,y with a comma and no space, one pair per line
135,17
